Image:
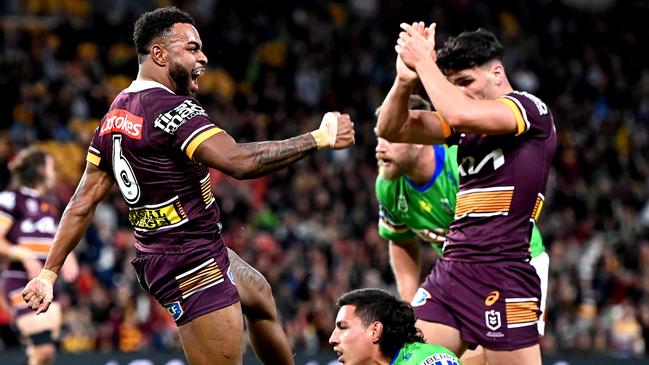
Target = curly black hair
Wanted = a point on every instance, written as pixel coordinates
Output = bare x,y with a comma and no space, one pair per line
154,24
469,49
397,317
27,168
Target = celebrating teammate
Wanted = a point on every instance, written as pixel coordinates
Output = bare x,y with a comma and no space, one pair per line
156,143
416,189
483,290
28,221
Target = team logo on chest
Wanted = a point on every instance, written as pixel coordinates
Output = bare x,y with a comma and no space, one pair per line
446,206
402,204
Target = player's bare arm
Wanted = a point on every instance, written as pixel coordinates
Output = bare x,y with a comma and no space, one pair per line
461,112
405,259
396,123
92,189
250,160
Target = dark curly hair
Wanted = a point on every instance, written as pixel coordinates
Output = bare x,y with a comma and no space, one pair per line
27,168
154,24
469,49
397,317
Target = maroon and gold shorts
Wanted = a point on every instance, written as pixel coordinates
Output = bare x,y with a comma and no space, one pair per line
495,305
188,285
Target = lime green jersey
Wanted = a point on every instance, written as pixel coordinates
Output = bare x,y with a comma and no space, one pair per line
407,210
418,353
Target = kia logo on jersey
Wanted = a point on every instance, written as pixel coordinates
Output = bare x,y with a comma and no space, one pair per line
122,121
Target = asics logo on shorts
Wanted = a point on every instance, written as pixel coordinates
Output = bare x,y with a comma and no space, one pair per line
492,298
420,298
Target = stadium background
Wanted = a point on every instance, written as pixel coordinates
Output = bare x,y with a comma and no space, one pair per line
275,67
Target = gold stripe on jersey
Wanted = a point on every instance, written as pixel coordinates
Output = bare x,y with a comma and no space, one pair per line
93,159
446,128
200,139
521,312
200,278
38,248
484,202
206,191
519,113
538,206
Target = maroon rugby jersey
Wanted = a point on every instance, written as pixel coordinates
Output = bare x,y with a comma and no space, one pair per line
28,220
502,184
146,141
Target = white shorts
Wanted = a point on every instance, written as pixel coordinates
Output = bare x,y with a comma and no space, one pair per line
542,265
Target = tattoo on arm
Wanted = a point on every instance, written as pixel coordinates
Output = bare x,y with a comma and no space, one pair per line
274,155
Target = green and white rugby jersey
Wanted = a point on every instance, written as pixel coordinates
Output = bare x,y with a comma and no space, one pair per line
407,210
418,353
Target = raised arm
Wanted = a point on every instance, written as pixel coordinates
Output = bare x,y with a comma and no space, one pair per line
92,189
250,160
477,114
397,123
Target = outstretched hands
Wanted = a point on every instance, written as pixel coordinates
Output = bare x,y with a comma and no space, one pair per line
416,44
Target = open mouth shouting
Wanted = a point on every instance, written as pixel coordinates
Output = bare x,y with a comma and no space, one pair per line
196,73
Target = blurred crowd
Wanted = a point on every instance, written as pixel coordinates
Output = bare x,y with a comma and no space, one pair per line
274,68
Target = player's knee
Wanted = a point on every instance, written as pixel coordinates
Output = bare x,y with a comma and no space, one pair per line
265,297
262,300
42,354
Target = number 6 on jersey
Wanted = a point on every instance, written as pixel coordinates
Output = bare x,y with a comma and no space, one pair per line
124,173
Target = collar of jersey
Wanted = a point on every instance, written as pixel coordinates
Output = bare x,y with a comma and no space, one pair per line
394,359
139,85
440,156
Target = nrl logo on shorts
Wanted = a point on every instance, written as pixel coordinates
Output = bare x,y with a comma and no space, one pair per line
175,309
492,319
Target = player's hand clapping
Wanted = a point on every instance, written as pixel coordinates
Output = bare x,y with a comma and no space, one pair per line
416,44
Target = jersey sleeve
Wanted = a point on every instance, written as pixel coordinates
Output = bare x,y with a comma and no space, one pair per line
94,155
188,124
7,210
531,113
390,228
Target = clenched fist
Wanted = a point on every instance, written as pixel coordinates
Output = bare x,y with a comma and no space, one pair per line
336,131
39,292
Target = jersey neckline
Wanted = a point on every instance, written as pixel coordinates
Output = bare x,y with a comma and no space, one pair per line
440,156
139,85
